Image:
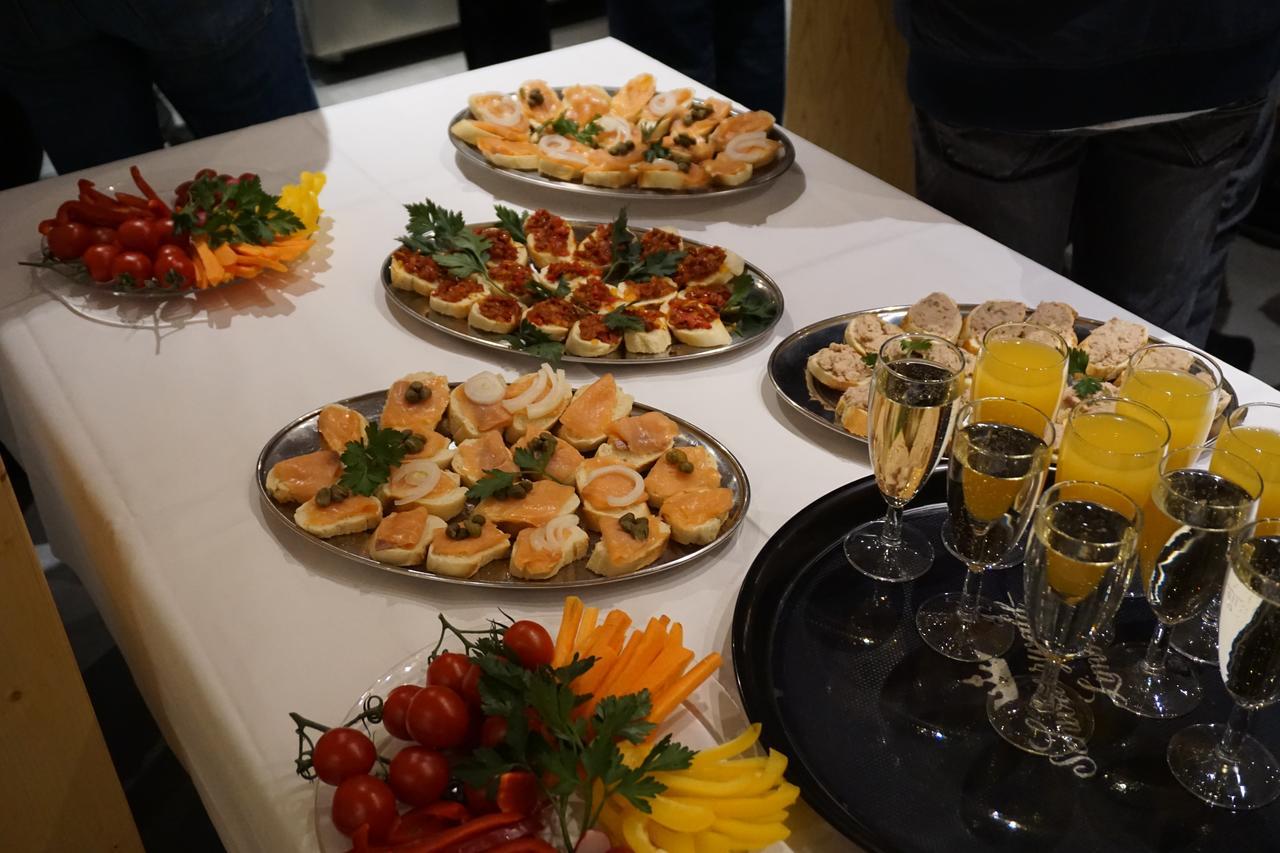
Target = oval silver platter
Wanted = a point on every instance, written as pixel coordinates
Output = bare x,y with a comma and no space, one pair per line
301,436
794,385
759,177
419,307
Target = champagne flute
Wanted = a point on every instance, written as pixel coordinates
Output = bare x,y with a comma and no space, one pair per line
1224,765
999,459
1180,384
1079,560
916,382
1183,555
1022,362
1251,432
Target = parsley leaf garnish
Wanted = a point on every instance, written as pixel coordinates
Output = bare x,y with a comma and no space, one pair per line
628,265
655,151
1084,384
529,338
511,221
532,463
493,481
367,466
870,359
443,234
565,126
537,291
234,213
916,346
620,321
750,309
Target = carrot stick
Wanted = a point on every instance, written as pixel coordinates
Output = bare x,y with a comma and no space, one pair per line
588,682
568,631
212,268
225,255
614,629
585,627
668,665
672,696
651,644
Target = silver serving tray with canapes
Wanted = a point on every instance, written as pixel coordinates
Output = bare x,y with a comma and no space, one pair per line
710,716
301,436
797,388
418,306
759,177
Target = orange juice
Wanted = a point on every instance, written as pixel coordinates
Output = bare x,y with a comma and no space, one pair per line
1186,402
1260,447
1020,369
1113,449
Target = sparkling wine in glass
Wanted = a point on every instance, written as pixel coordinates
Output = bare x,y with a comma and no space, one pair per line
1078,564
916,383
999,459
1222,764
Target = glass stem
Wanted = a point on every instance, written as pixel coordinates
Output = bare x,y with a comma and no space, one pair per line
891,527
1042,703
970,594
1237,728
1157,649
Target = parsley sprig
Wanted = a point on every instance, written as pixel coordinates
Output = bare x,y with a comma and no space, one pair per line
870,359
537,291
444,235
234,213
529,338
1084,384
628,265
750,310
532,461
367,466
494,481
620,321
921,345
512,221
565,126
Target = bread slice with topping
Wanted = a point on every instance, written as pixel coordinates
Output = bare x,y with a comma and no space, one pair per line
298,478
531,562
838,366
1110,346
696,515
987,316
619,552
851,408
402,538
936,314
1058,316
866,332
462,558
353,514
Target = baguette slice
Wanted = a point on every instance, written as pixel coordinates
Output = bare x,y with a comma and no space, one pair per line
936,314
298,478
531,563
696,515
1110,346
1058,316
484,453
851,408
339,425
356,514
508,154
592,409
866,332
666,479
403,537
838,366
544,502
987,316
618,553
462,558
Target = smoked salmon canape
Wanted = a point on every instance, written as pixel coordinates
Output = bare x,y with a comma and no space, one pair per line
464,545
652,334
486,452
667,174
538,101
727,172
563,460
539,553
509,154
756,121
339,425
592,409
297,479
583,103
696,515
591,337
416,272
696,323
628,544
476,406
402,538
639,440
544,501
472,130
417,402
702,117
336,511
422,484
495,313
611,167
436,448
679,470
630,100
553,317
609,489
548,238
562,158
495,108
536,401
455,298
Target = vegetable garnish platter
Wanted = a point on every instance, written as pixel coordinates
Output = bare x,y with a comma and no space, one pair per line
503,738
214,230
490,483
628,142
587,292
824,371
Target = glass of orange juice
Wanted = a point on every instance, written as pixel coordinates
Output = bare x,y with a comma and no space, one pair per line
1116,442
1252,433
1180,384
1023,362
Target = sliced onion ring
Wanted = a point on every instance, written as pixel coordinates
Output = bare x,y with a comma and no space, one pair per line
414,480
560,147
613,126
553,398
637,484
560,529
485,388
665,165
539,384
663,103
745,146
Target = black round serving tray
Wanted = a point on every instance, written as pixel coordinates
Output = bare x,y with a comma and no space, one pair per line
890,746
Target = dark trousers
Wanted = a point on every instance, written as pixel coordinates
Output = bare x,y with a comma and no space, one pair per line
738,47
494,31
1148,211
82,71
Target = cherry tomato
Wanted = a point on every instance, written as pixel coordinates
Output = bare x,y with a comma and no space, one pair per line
206,173
471,687
394,708
418,775
131,268
362,800
138,235
493,731
174,267
530,643
46,225
342,753
68,240
163,231
476,801
247,176
449,670
438,718
103,234
98,259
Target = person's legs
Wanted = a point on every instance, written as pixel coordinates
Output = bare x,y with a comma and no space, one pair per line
1017,188
494,31
751,53
20,150
1158,207
680,33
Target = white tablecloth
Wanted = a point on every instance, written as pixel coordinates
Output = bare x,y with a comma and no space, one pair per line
141,443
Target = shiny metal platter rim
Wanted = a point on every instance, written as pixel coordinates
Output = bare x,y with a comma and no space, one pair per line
800,338
727,463
419,308
783,162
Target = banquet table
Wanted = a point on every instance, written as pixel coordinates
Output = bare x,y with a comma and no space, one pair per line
140,427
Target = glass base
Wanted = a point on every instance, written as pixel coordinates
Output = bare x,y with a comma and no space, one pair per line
1020,725
896,562
1197,639
1161,695
940,626
1249,780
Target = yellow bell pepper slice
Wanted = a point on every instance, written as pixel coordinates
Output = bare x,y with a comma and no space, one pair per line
746,808
679,816
633,832
730,749
757,783
728,769
712,842
756,835
670,840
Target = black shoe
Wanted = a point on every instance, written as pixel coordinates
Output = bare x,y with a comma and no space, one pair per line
1235,350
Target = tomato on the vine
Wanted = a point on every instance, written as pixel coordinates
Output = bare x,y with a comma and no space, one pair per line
418,776
68,240
341,753
394,708
471,687
138,235
530,643
438,718
131,268
174,267
449,670
103,234
362,800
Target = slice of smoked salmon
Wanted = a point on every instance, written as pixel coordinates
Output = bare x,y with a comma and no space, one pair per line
697,506
477,455
633,97
446,547
610,485
492,416
584,103
651,432
529,561
539,101
592,409
565,461
435,445
339,425
665,478
421,417
297,479
401,530
622,547
544,502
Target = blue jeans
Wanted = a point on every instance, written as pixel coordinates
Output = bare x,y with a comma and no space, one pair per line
1149,211
83,70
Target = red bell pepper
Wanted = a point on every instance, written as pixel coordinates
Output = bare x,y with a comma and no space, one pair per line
518,792
131,200
469,836
524,845
427,821
146,187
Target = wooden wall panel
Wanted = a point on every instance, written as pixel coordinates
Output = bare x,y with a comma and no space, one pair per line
846,84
